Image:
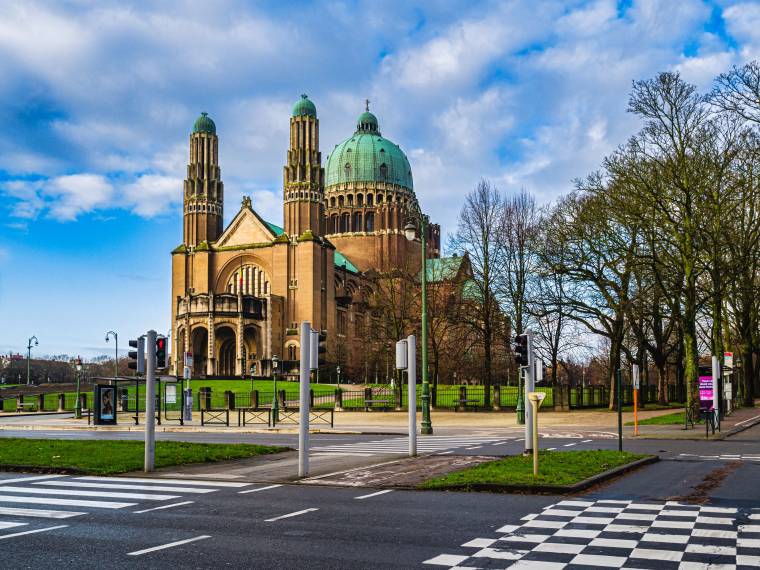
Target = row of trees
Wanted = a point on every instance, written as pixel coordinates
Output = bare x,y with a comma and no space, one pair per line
657,253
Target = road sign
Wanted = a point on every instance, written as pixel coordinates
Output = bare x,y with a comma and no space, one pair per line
728,359
189,359
186,373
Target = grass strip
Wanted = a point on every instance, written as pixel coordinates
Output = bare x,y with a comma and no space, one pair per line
555,468
110,457
665,420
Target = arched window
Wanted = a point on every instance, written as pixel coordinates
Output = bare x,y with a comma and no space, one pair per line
343,223
340,201
350,200
347,170
369,200
369,221
357,222
379,198
383,171
292,352
360,200
332,202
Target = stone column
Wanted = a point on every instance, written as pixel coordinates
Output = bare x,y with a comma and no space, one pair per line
239,364
210,361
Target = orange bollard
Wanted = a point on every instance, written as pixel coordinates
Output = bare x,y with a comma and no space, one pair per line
636,412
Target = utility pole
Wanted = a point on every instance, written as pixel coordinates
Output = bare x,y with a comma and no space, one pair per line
150,402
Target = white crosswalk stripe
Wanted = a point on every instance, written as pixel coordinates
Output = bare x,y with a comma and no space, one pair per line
77,496
400,445
722,457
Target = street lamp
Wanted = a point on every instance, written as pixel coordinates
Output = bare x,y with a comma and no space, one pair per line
337,369
426,427
253,373
275,404
116,360
78,404
29,357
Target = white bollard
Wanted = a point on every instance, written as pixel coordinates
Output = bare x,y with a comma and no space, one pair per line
411,345
303,405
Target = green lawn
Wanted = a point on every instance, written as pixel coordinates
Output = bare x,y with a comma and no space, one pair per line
667,420
109,457
555,468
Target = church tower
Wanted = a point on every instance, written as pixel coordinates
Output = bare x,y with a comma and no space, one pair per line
204,189
303,178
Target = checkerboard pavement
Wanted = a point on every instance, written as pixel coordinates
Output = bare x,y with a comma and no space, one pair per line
576,534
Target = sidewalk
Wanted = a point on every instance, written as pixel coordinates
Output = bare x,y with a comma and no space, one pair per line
738,421
350,422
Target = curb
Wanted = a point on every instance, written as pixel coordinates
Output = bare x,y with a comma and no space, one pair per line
551,489
161,429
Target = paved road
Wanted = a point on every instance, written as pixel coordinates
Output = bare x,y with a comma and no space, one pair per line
122,523
684,512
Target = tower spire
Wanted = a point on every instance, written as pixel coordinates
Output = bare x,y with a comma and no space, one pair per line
303,176
204,190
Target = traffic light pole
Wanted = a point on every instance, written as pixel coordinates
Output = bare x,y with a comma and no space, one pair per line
150,402
303,405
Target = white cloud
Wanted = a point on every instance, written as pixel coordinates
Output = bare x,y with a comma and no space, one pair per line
76,194
153,194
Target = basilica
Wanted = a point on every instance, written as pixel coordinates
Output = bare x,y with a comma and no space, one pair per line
239,292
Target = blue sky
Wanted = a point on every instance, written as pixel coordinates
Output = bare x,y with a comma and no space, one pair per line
97,101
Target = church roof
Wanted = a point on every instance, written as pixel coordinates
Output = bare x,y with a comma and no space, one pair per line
340,259
204,124
442,268
304,106
368,157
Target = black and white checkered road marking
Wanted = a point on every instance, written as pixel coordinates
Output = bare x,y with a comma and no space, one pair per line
577,534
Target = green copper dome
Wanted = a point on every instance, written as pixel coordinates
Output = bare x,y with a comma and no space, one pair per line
204,124
304,106
368,157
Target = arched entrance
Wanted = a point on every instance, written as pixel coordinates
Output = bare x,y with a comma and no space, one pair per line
251,350
225,353
199,346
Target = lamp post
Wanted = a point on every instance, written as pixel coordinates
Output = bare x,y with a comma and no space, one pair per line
253,373
426,427
116,359
337,369
275,405
29,358
78,403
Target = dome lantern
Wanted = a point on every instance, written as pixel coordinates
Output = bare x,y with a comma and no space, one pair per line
304,107
204,124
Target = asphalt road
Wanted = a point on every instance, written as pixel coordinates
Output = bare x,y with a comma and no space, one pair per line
298,526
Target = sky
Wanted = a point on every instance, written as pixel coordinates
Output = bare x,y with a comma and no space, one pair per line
97,101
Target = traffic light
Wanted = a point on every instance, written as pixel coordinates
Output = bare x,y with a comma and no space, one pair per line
162,360
317,349
521,350
137,357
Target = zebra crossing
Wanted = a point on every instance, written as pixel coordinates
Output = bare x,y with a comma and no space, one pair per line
30,504
400,445
721,457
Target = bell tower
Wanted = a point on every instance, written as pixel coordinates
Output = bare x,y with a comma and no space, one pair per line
304,177
204,190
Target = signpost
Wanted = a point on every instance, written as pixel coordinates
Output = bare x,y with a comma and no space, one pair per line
535,399
150,402
406,359
635,378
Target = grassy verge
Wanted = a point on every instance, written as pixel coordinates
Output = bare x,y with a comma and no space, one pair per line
555,468
666,420
109,457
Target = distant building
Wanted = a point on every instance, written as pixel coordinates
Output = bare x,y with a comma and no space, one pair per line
240,292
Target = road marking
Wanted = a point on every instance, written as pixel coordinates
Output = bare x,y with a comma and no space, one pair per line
295,514
42,513
4,536
25,479
551,449
259,489
170,545
374,494
104,494
747,421
445,452
569,444
4,524
64,502
587,441
155,480
164,507
475,447
121,486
